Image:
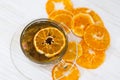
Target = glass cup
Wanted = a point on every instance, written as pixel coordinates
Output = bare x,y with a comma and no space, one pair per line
25,61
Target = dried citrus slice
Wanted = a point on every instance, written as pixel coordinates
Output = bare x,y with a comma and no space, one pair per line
49,41
52,5
65,20
74,51
49,6
69,5
94,15
90,58
58,12
97,37
67,71
80,22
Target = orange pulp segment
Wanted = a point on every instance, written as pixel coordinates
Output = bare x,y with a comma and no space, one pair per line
80,22
67,71
97,37
49,41
72,52
90,58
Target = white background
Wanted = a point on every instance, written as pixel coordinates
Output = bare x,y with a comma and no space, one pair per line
15,13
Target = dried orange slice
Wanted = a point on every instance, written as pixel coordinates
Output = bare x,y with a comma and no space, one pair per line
67,71
58,12
93,14
96,18
90,58
69,5
49,6
80,22
65,20
74,51
97,37
52,5
49,41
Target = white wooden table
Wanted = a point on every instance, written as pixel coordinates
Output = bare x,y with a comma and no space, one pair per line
15,13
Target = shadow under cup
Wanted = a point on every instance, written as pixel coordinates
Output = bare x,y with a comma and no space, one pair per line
26,41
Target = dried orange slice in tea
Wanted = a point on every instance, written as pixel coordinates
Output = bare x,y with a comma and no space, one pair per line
52,5
96,18
67,71
97,37
58,12
74,50
49,41
80,22
65,20
90,58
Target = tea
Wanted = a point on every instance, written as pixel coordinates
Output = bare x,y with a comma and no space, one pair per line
46,50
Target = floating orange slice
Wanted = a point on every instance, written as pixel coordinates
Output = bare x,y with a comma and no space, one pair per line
65,20
49,41
97,37
80,22
73,52
58,12
68,71
52,5
90,58
96,18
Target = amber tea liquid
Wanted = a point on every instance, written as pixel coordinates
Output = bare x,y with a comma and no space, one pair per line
26,41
